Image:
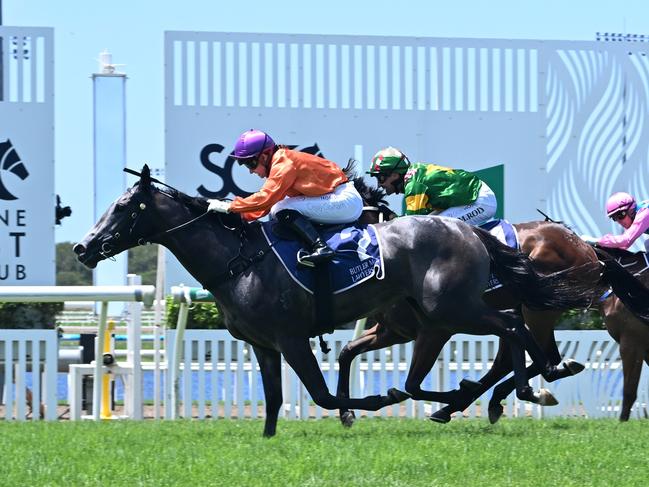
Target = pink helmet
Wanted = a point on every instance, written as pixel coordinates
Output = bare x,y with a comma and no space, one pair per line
252,143
619,202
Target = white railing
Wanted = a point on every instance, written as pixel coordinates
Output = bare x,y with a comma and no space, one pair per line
132,369
23,354
220,377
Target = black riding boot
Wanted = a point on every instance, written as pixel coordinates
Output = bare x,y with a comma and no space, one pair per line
304,229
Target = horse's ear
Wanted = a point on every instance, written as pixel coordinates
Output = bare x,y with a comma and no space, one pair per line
145,176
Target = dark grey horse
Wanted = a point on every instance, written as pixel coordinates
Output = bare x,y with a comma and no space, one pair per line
439,266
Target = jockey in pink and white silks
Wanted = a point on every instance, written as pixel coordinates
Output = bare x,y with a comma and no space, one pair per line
632,216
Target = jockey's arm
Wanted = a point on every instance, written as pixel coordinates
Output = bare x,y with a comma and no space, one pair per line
416,199
280,180
625,240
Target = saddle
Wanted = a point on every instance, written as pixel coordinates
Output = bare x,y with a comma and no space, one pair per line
358,258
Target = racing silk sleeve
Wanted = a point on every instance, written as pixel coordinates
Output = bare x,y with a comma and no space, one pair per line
280,180
416,199
625,240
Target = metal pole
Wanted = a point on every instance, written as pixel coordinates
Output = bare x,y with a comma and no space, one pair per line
1,59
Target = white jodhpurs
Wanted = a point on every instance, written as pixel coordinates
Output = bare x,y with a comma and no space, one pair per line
480,211
342,205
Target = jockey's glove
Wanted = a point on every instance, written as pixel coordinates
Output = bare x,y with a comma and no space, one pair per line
219,206
589,239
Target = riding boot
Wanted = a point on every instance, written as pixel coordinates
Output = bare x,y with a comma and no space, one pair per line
304,229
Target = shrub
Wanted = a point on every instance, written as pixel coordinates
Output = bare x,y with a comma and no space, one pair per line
201,315
26,316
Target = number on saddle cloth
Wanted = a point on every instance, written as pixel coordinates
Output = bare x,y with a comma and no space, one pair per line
506,233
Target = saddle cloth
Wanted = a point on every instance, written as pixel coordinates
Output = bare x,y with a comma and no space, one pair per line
506,233
358,256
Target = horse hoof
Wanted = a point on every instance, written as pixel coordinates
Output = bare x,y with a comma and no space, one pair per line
546,398
495,412
397,396
440,416
347,419
573,366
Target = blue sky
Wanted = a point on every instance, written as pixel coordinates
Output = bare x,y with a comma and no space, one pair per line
133,31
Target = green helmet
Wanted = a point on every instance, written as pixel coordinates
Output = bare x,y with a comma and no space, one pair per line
389,160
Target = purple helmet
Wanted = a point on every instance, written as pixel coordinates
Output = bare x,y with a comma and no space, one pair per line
619,202
252,143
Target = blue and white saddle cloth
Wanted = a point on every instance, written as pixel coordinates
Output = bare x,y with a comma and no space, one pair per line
358,256
506,233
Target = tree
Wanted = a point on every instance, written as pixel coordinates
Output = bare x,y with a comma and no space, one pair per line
69,271
143,260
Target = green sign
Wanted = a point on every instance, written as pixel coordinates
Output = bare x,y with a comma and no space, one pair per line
495,178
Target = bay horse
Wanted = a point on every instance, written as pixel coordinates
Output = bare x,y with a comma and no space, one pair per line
552,247
627,330
439,266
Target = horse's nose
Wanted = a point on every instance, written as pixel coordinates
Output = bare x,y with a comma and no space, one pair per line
78,249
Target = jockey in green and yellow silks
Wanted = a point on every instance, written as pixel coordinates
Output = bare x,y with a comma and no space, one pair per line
433,189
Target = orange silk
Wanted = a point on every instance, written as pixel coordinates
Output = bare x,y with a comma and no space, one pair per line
292,173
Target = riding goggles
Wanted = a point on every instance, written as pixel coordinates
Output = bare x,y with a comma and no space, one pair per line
620,215
251,163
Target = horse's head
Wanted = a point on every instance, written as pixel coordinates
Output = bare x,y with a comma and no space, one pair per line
122,226
375,208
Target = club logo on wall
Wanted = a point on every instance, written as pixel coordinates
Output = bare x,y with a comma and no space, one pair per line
225,172
10,162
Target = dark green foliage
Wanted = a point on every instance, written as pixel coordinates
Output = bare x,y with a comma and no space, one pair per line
578,319
143,260
25,316
201,315
69,271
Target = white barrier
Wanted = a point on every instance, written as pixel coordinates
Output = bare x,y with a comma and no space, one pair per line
20,352
220,376
134,294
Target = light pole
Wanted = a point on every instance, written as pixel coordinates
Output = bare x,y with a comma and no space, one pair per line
1,60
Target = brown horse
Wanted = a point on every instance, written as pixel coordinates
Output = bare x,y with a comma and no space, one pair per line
553,248
631,333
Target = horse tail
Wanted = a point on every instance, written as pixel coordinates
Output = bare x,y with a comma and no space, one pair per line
627,287
515,270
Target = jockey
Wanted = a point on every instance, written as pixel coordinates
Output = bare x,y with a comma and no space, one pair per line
634,217
433,189
300,188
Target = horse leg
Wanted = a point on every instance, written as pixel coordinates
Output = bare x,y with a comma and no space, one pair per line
375,338
541,325
428,345
298,354
632,357
270,365
520,339
499,369
545,367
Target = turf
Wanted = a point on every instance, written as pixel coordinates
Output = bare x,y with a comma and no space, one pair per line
376,452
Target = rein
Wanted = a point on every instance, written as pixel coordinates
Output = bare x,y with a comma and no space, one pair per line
143,241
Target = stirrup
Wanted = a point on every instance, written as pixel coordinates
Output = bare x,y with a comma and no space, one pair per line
316,257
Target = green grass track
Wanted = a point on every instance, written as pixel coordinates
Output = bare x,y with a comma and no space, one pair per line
375,452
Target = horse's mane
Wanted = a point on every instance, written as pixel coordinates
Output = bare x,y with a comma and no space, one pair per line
372,196
200,204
